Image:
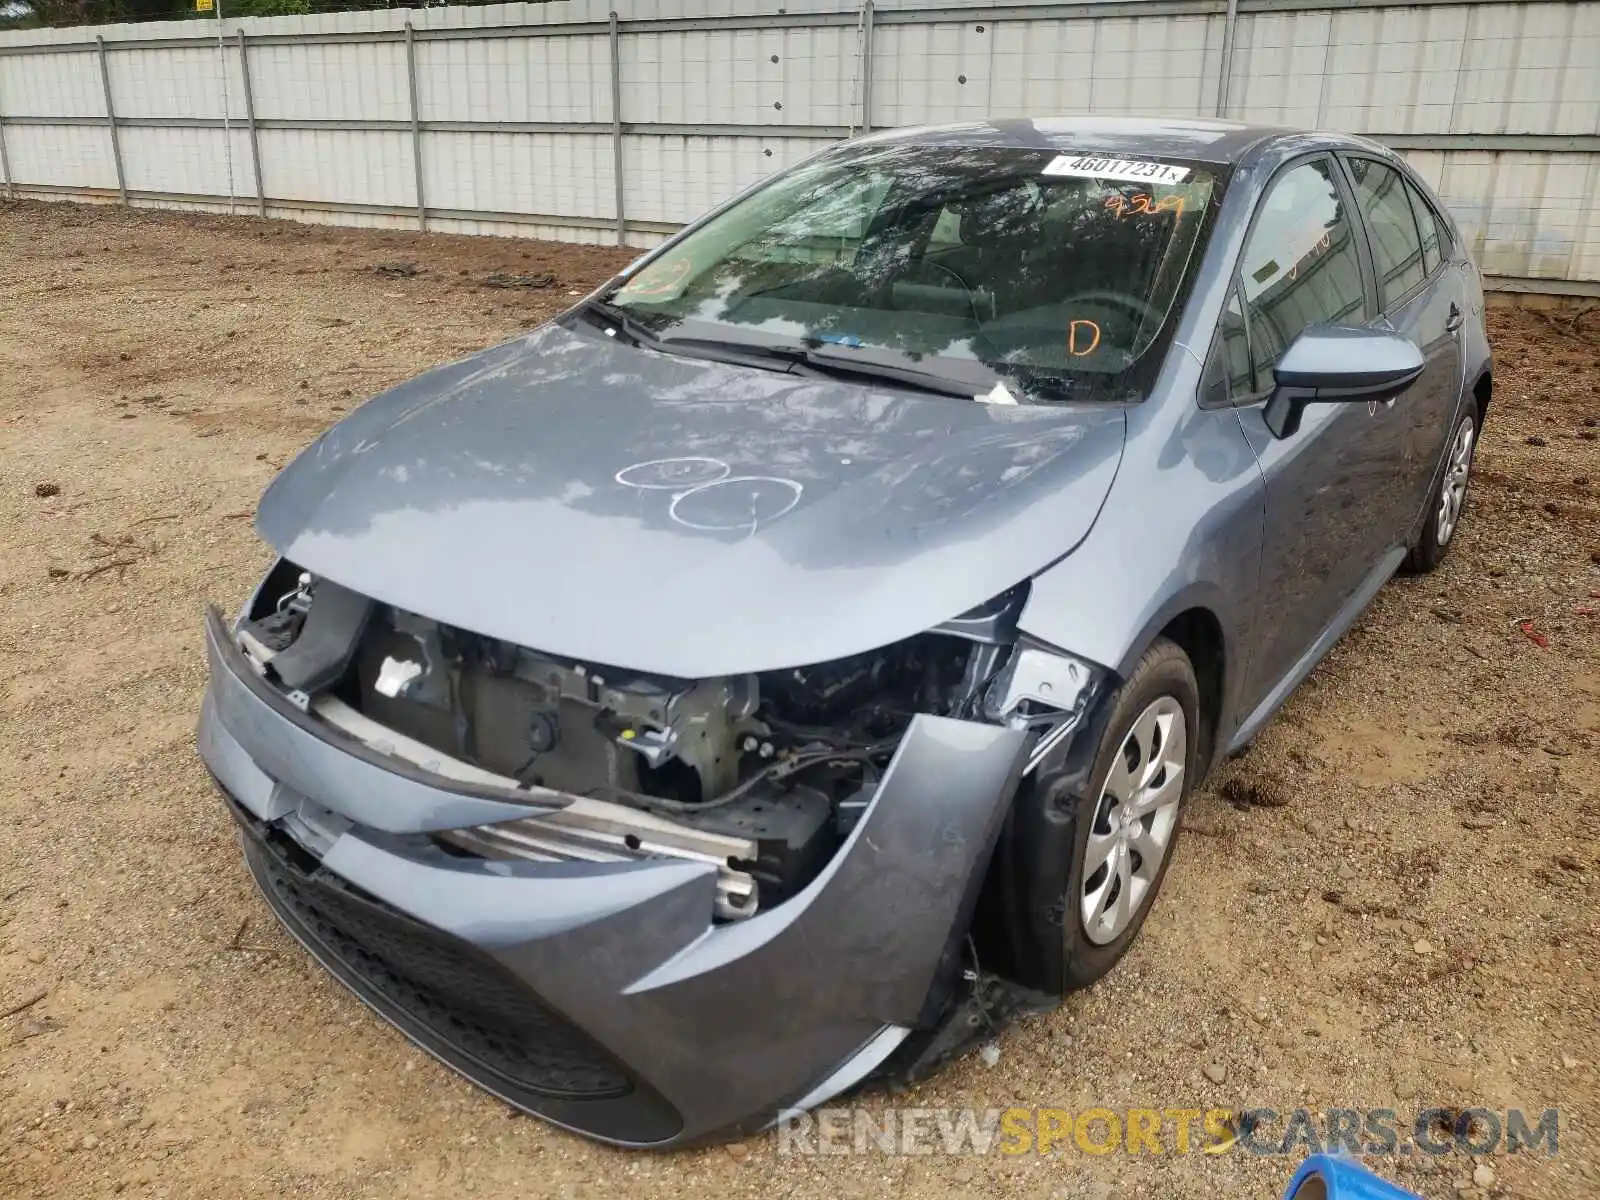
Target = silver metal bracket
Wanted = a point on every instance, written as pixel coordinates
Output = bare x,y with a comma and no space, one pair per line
1040,677
1043,691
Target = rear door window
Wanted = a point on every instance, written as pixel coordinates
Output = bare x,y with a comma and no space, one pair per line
1396,245
1435,241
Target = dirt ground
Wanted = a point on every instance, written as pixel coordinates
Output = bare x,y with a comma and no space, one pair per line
1393,901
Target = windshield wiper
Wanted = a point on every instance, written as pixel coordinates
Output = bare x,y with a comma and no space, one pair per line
617,319
804,360
797,360
923,381
609,314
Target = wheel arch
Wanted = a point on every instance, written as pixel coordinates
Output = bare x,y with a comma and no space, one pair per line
1482,390
1193,620
1197,631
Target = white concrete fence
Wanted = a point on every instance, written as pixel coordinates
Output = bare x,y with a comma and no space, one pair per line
568,120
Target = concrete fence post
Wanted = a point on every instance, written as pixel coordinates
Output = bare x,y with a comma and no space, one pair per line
111,119
616,127
5,163
866,66
1230,26
227,113
416,125
250,124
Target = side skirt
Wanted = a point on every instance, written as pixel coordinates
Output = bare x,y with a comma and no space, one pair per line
1346,617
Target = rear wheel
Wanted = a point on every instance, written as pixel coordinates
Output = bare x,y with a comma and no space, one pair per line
1448,500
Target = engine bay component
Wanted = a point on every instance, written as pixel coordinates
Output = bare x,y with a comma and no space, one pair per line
329,631
547,839
793,831
569,726
580,830
763,774
1035,680
1042,690
394,675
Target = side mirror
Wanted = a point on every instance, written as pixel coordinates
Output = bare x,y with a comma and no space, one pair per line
1333,364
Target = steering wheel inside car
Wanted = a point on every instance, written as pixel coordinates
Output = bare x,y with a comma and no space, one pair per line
972,297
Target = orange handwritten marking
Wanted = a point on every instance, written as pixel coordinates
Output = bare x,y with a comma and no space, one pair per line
1143,205
1072,338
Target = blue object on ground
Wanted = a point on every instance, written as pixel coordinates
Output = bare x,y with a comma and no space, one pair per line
1324,1177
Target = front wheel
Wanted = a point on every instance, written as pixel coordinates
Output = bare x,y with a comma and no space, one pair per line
1089,851
1448,500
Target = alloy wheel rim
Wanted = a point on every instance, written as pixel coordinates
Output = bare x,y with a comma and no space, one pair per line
1454,492
1134,820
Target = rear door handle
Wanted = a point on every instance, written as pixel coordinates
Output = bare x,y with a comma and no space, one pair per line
1452,323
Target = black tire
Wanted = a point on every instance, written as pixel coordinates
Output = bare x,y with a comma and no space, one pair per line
1430,547
1042,857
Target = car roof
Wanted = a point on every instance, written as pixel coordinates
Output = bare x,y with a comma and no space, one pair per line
1199,140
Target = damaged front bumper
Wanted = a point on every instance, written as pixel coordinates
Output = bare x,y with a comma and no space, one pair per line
603,996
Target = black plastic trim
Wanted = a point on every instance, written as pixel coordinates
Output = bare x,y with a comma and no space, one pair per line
641,1116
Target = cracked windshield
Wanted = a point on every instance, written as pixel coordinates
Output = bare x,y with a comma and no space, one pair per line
949,267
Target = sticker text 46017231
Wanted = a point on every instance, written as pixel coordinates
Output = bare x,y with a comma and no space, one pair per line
1131,170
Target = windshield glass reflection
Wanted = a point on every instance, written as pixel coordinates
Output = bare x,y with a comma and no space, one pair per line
1056,272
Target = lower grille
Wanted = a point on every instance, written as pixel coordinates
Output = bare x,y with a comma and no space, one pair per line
459,995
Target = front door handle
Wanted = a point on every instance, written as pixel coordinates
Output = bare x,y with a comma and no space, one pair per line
1452,323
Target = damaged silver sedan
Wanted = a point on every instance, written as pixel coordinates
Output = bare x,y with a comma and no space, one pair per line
793,661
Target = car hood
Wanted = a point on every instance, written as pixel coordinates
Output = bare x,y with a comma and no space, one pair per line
682,517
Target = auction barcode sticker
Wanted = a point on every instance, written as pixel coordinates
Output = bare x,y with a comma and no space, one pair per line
1132,170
